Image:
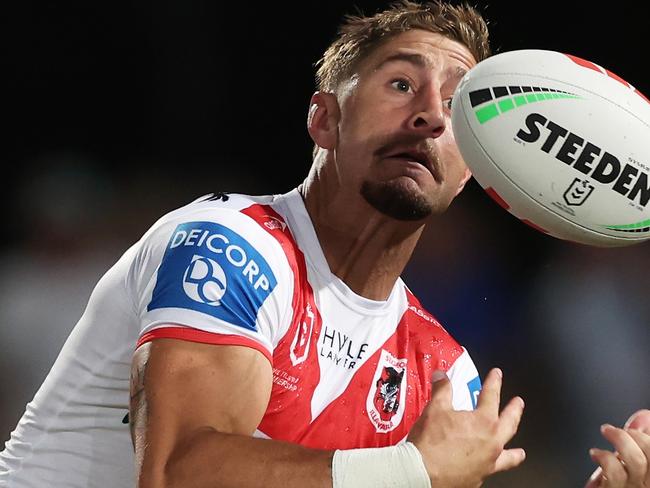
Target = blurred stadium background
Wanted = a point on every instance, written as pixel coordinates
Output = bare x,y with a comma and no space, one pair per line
121,111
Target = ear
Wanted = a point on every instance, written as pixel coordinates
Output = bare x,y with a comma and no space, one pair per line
466,177
323,119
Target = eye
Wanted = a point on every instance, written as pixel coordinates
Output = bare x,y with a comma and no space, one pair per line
448,102
402,86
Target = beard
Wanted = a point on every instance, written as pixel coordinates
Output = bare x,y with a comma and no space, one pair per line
396,200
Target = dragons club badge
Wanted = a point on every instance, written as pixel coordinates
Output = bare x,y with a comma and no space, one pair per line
387,396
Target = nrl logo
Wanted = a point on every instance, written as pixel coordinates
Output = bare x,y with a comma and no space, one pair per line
578,192
385,402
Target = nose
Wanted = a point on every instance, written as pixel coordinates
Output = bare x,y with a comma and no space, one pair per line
429,117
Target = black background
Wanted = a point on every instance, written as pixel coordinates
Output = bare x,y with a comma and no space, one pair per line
184,88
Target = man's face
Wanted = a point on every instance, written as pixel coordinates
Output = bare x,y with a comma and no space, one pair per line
395,144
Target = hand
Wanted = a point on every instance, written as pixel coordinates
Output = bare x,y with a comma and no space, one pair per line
629,466
460,449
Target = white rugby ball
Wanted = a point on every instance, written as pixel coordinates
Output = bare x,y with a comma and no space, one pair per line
560,142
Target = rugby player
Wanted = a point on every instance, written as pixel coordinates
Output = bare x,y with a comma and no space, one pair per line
269,341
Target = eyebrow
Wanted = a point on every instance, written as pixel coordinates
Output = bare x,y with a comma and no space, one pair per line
459,72
414,58
420,61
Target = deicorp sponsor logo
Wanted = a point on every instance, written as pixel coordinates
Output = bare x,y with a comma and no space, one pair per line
209,268
205,281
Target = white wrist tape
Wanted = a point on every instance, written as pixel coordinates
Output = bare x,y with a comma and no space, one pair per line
398,466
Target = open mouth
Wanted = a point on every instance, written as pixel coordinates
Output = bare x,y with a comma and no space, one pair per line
417,157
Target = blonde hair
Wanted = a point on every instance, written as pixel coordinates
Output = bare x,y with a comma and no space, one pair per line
359,35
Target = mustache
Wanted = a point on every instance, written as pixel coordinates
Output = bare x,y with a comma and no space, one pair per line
400,143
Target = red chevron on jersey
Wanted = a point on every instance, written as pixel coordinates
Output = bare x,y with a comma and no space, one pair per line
293,378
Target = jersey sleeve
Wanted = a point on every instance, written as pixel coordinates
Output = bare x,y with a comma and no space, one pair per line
212,276
465,382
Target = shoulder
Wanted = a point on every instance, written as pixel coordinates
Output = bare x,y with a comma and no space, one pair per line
228,209
451,356
223,236
215,266
444,353
227,224
427,329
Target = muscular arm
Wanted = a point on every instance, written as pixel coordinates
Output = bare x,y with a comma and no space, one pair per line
193,410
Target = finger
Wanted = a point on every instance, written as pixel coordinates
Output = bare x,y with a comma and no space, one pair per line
441,391
509,419
629,453
595,479
508,459
614,474
639,420
643,441
490,396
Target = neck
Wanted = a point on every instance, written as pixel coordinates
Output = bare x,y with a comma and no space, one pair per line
364,248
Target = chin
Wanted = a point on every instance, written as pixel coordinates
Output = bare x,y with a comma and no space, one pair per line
401,199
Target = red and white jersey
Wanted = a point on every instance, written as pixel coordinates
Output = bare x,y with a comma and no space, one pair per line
348,372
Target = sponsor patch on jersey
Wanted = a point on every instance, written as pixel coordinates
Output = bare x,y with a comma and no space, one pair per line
474,387
209,268
387,397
